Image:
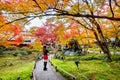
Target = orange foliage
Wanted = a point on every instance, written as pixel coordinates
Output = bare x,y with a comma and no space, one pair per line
19,39
11,31
16,30
2,20
50,2
43,6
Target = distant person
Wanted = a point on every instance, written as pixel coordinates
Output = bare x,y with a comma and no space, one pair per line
45,57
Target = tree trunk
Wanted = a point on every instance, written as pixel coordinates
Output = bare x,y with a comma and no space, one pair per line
103,47
102,42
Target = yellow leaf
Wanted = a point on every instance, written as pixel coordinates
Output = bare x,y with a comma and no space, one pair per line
43,6
50,2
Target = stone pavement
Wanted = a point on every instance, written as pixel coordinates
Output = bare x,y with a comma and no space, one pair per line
50,74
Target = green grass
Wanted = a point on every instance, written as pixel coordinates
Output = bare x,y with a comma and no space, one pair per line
12,68
98,49
90,69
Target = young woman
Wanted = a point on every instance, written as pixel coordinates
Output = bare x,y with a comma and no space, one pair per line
45,57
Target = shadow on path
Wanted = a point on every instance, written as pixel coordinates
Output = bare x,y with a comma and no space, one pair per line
50,74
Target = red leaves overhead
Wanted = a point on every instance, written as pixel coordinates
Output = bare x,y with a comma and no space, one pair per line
16,33
40,31
17,37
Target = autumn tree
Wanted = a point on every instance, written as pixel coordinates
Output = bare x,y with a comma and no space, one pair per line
90,12
46,33
112,33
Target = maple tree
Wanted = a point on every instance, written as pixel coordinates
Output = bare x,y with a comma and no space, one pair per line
11,35
46,33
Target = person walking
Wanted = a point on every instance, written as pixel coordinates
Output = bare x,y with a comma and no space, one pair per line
45,57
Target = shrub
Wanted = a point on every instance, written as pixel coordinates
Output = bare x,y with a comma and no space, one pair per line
116,57
93,57
16,52
1,50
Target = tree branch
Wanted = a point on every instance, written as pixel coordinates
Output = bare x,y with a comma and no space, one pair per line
67,14
88,24
29,20
116,3
89,7
38,5
15,21
110,5
80,23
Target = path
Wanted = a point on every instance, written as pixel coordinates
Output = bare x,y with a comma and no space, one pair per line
50,74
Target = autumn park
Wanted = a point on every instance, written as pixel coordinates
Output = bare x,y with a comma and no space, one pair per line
59,39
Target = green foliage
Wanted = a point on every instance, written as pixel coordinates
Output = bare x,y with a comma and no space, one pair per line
93,57
29,51
24,72
15,52
90,67
1,50
116,57
22,51
12,68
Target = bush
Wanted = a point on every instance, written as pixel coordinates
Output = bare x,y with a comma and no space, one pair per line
116,57
93,57
16,52
12,68
1,50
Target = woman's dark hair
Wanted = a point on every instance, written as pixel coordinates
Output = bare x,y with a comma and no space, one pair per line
45,51
44,46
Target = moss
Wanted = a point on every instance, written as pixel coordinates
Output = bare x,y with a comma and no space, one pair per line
15,68
90,69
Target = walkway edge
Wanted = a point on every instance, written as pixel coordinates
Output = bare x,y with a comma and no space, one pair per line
73,77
